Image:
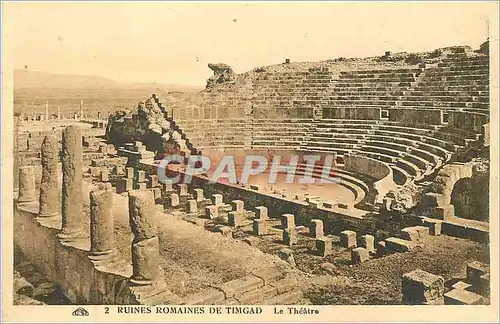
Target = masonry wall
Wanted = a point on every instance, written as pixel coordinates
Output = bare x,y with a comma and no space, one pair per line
69,266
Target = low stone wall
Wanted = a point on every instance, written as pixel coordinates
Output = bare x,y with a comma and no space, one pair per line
376,169
67,264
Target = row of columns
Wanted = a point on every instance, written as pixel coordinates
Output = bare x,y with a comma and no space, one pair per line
145,246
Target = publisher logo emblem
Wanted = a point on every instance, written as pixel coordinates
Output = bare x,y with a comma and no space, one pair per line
80,311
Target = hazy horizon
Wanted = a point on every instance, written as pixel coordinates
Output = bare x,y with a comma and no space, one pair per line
172,43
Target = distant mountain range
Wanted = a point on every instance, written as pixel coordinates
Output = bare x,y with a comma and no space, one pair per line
26,79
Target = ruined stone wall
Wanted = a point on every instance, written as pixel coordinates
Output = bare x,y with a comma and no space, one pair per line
223,101
69,266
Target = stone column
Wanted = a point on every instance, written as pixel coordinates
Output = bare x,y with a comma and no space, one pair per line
101,224
49,192
72,217
145,246
27,191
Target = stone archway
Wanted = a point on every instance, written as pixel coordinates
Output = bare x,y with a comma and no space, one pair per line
470,198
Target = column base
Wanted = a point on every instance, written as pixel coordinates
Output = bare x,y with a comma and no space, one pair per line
70,236
48,215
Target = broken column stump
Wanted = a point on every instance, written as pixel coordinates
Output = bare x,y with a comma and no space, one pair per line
145,245
27,191
102,240
49,192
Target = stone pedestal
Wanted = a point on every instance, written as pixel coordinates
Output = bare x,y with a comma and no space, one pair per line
211,212
235,219
261,212
238,205
217,200
192,206
367,242
183,189
359,255
289,236
174,200
324,246
129,173
347,239
287,221
434,226
316,228
259,227
198,194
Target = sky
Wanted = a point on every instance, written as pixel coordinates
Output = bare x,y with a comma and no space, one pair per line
173,42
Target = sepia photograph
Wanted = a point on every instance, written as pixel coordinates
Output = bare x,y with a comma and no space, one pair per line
249,161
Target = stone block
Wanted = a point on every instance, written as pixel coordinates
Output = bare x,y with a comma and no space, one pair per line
434,226
316,228
153,181
141,176
238,205
328,204
192,206
475,270
183,189
348,239
421,287
129,173
174,200
288,221
409,234
381,248
261,212
167,187
444,213
235,219
455,230
462,297
289,236
217,199
259,227
423,231
359,255
395,244
324,246
255,187
461,285
211,212
198,194
367,242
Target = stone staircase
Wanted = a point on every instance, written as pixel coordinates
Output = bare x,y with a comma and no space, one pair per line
269,286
